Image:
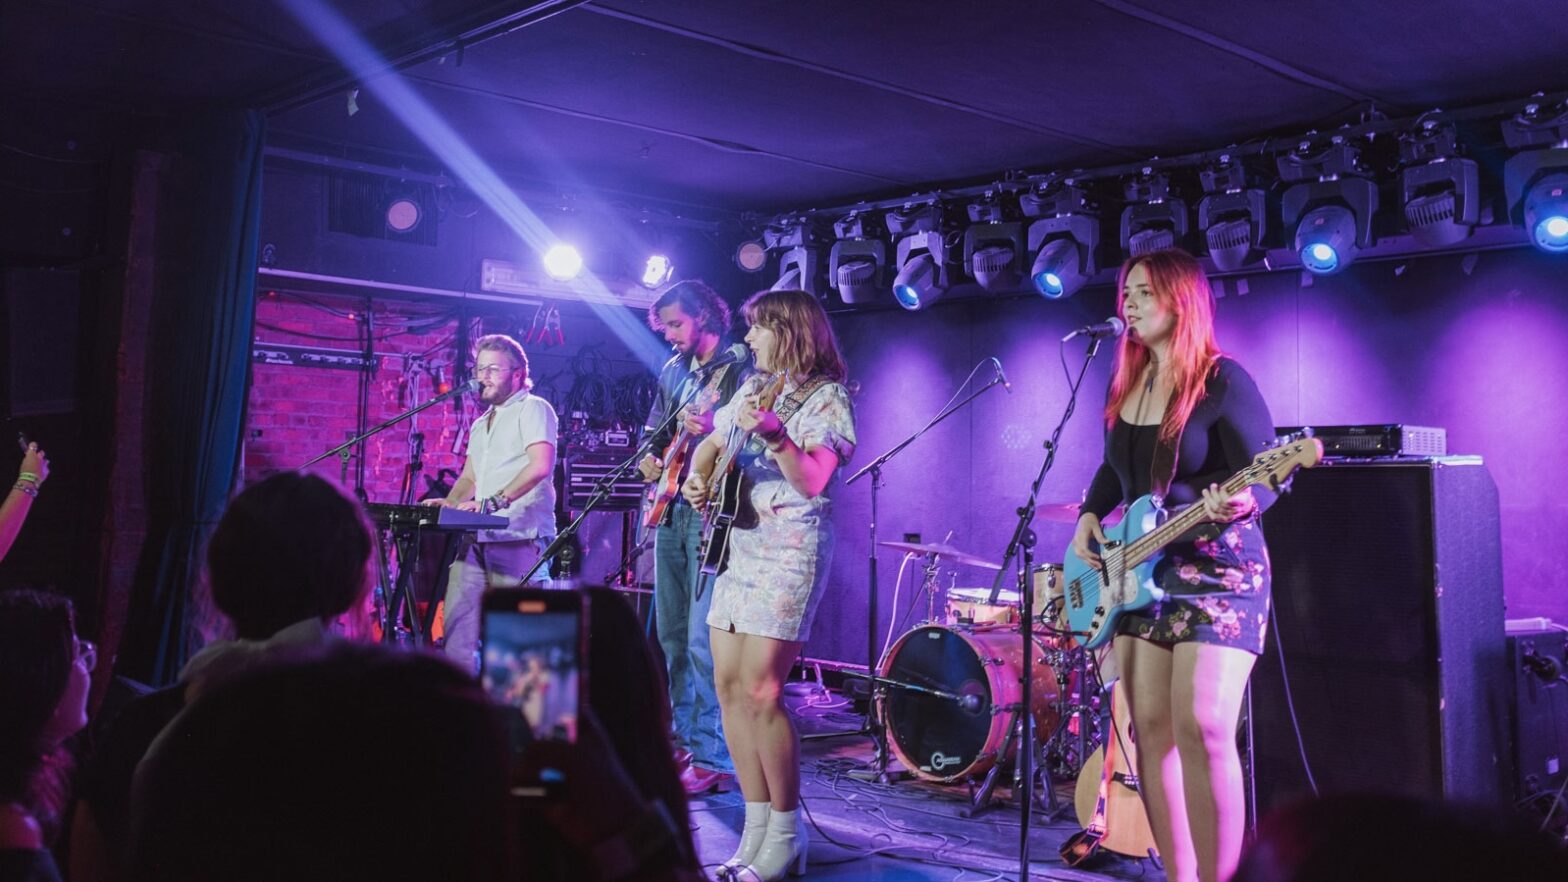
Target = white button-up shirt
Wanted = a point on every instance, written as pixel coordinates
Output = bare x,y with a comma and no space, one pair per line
498,452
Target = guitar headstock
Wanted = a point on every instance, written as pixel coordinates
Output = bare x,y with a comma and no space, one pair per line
1275,465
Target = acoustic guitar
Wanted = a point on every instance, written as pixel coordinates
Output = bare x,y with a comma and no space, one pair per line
1106,797
728,506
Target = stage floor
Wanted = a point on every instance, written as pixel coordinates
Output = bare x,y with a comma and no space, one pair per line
906,830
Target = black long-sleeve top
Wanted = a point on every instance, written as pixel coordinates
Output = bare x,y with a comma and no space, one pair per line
1229,426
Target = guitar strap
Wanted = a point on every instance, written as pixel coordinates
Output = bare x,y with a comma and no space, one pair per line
1162,468
797,399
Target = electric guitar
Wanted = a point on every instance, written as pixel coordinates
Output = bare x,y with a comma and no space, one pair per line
1096,598
664,490
728,508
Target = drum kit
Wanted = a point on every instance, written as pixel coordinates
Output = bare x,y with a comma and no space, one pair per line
949,691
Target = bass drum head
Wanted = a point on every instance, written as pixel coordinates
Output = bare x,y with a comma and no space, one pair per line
934,737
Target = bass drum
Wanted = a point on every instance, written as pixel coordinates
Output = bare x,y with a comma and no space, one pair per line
935,738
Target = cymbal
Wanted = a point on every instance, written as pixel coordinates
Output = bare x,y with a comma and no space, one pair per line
947,552
1068,512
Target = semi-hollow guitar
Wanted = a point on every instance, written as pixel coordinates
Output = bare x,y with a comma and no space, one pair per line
1095,599
663,491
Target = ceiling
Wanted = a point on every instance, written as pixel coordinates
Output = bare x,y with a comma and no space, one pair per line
761,105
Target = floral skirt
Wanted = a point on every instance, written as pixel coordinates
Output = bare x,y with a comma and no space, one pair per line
1217,591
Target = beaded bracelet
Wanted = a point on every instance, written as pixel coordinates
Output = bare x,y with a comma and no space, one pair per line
25,487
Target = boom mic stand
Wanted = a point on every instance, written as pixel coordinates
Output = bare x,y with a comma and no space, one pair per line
872,724
345,450
1022,546
387,600
605,486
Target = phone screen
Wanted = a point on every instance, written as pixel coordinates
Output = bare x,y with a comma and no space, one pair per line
532,664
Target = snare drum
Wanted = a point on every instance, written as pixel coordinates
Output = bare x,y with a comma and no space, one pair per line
938,739
973,606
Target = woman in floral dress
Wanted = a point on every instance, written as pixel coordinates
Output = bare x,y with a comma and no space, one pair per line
765,600
1182,417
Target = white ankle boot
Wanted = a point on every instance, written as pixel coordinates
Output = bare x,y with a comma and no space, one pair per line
783,850
751,835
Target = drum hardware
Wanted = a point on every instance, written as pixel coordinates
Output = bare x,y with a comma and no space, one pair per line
944,552
961,720
872,725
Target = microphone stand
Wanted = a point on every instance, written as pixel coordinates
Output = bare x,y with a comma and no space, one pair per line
388,609
1022,546
605,486
872,725
343,451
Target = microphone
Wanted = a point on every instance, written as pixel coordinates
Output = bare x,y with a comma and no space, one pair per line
971,703
1111,327
1002,376
736,352
471,386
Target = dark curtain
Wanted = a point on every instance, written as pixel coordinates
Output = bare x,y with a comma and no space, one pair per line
199,370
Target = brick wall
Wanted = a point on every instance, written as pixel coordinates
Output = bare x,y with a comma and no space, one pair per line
297,412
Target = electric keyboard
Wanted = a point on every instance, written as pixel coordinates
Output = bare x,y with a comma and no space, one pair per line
432,517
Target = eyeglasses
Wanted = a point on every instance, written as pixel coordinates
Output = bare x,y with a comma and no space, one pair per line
87,653
492,369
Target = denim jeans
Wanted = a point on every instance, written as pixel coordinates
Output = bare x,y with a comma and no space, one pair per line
682,620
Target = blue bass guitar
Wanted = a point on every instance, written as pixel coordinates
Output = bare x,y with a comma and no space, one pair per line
1096,598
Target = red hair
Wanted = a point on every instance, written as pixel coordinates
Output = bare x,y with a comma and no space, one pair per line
1178,283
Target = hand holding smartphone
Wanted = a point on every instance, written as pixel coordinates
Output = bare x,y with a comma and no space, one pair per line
534,666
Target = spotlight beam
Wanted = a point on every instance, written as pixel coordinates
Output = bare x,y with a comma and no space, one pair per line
362,60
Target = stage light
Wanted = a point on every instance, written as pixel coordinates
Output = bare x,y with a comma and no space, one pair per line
751,255
1332,215
1535,181
403,215
921,255
800,257
1546,213
657,271
1153,218
858,260
1326,239
994,246
1233,217
1064,240
562,262
1441,191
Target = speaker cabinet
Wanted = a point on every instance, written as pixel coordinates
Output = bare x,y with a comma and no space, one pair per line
1389,607
1539,660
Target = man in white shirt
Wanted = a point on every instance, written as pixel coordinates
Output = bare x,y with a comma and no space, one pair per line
511,458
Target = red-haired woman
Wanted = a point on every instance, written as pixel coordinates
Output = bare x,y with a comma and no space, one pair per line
1181,417
764,602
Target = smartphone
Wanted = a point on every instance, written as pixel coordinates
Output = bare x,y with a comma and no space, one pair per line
21,441
534,666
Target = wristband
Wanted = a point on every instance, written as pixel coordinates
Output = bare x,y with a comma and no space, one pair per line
30,476
29,489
